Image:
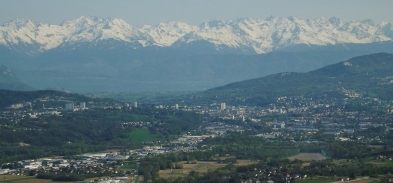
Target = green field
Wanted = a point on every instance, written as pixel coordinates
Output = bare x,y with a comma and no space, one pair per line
314,180
382,163
201,166
132,117
142,135
174,172
12,178
379,162
137,178
138,117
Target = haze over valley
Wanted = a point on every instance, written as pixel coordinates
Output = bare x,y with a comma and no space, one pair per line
196,91
92,54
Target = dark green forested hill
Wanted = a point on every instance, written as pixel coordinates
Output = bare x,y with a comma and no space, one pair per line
9,81
9,97
104,125
369,75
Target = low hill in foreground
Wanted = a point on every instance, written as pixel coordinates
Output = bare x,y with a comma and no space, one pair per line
32,124
48,97
369,75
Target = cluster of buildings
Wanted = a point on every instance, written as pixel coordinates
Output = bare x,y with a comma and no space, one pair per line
97,163
296,119
109,163
186,142
84,163
301,118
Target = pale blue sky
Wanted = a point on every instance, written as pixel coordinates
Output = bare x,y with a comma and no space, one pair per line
151,12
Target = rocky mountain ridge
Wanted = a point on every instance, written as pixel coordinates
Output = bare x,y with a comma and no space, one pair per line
9,81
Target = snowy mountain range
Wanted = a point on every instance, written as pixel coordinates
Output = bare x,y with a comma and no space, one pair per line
247,35
92,54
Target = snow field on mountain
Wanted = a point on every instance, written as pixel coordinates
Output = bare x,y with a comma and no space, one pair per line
261,35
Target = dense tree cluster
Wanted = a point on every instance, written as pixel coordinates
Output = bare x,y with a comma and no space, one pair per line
87,131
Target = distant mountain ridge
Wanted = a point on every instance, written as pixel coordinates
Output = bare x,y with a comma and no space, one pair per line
163,69
9,81
246,35
368,75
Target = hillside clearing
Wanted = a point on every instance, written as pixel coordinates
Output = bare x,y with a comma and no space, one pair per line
308,157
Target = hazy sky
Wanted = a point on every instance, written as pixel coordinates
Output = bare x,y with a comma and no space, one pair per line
140,12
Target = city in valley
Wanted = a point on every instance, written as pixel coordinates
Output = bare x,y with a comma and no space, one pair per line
321,127
222,91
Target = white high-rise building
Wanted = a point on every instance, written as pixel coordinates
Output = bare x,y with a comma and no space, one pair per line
135,104
176,106
223,106
82,105
69,106
282,125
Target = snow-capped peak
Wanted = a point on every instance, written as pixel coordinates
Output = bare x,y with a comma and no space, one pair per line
165,34
19,23
260,35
